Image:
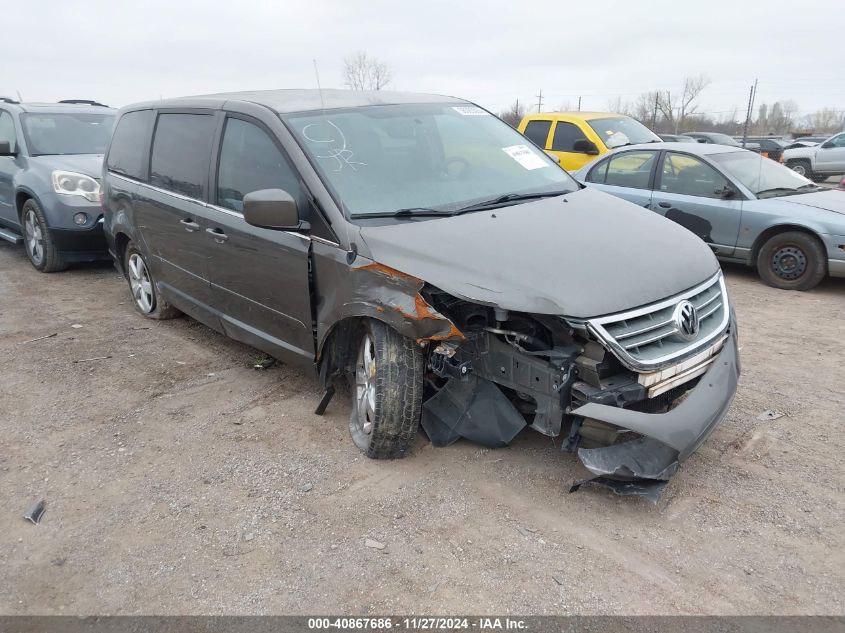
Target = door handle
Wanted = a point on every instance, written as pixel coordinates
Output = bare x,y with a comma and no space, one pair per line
218,235
190,225
665,205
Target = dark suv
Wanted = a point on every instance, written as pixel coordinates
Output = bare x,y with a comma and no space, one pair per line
51,158
424,249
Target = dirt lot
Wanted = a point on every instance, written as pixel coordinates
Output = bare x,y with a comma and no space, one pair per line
180,480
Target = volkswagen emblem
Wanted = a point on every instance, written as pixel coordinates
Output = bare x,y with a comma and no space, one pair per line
686,320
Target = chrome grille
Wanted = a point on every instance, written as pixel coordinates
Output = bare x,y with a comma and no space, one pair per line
647,338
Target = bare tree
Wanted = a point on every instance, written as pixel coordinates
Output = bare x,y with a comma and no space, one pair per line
362,72
643,109
825,120
617,105
513,115
676,108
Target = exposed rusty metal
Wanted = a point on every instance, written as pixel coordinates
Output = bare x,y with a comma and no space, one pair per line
412,307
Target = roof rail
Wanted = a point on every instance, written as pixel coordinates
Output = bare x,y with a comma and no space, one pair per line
8,100
83,102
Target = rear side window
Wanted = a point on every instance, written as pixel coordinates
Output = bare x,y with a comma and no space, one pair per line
251,161
181,153
128,144
628,169
565,136
7,130
688,175
538,132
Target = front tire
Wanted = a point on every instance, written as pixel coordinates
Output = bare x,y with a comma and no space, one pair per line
145,297
38,241
802,167
386,392
792,261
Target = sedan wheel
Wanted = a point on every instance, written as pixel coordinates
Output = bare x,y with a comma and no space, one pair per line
792,260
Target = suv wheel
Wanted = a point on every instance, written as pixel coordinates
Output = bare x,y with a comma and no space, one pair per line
801,167
387,392
792,261
38,241
147,301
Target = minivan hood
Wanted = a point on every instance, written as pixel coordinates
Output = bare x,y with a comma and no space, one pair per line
581,255
829,200
87,164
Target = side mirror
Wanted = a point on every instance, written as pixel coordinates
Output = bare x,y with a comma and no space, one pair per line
553,156
273,209
583,146
6,149
725,192
827,145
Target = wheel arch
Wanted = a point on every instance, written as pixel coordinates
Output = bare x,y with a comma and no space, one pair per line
22,194
771,231
121,241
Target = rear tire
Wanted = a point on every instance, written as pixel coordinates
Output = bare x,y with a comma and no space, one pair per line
38,241
792,261
387,388
145,296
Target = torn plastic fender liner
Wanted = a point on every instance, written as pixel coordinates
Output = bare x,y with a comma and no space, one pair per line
686,426
472,408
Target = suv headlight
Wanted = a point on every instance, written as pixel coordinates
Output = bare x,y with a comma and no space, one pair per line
72,184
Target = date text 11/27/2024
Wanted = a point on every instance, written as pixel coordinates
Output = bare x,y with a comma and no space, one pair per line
418,623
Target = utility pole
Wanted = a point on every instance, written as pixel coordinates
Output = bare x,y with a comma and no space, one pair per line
654,112
579,104
540,101
751,96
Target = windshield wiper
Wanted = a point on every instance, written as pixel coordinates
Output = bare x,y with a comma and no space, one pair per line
405,213
785,191
509,197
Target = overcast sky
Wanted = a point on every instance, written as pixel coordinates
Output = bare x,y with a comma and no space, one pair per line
120,51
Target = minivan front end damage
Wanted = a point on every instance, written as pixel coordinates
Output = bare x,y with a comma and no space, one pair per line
631,397
633,394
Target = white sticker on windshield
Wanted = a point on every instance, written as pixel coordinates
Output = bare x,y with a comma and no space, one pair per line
470,111
525,157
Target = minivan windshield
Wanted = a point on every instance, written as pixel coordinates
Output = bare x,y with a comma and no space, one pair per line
66,133
625,127
423,158
763,176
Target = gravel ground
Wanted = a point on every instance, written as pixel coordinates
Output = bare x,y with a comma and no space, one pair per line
180,480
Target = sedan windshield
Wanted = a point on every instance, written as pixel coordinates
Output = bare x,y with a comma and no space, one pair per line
66,133
762,176
626,128
423,158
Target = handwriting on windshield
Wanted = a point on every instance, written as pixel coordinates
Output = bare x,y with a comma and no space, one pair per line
336,146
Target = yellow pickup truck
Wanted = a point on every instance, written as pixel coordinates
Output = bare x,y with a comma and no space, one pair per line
576,138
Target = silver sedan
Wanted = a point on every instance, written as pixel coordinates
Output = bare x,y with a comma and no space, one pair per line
748,209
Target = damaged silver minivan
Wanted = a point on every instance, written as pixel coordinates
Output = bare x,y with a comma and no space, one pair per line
421,248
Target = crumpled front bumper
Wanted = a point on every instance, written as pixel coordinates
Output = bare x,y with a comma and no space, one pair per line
643,466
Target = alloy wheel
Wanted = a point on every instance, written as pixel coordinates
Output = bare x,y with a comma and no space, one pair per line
34,238
365,385
141,284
